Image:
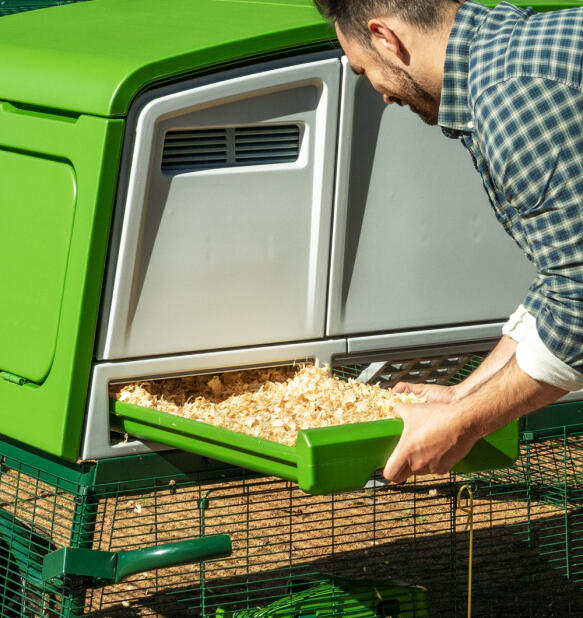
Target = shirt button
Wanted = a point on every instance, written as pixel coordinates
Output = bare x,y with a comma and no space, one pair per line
470,124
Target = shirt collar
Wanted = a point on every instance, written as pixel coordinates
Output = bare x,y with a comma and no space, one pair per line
454,111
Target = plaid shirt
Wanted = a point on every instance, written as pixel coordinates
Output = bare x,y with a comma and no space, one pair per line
513,93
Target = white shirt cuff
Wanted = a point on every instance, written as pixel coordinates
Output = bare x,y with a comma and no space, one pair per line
519,324
534,358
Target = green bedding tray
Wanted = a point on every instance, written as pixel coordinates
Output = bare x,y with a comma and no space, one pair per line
324,460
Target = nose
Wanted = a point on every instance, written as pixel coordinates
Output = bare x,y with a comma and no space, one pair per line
387,99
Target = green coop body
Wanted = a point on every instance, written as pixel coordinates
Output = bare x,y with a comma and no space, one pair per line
70,73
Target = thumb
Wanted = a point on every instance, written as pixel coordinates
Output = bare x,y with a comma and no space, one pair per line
401,410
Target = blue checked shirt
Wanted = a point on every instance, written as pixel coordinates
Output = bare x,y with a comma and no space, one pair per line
513,93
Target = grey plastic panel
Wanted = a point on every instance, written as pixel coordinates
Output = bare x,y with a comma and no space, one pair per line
415,241
234,256
97,441
425,338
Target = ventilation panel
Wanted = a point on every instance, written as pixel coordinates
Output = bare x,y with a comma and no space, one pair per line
189,150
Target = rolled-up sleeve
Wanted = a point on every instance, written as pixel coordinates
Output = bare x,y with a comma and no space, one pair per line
534,358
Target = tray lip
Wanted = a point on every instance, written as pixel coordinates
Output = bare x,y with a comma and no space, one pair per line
247,442
197,429
312,437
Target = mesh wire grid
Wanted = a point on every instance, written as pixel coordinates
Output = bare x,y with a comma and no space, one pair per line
526,549
293,553
284,542
445,368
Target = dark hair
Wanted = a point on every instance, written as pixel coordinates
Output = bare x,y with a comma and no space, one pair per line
352,15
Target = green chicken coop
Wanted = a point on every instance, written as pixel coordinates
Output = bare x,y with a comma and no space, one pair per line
194,188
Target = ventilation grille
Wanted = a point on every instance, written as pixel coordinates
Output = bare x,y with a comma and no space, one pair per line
195,150
203,149
431,369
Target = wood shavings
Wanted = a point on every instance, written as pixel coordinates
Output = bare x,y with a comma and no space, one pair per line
272,404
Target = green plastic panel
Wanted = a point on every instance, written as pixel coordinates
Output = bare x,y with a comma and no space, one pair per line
343,597
324,460
59,175
563,417
38,204
94,57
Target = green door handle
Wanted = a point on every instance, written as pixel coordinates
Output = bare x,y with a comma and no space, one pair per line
114,566
172,554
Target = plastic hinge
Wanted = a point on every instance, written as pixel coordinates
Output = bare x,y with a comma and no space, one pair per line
13,379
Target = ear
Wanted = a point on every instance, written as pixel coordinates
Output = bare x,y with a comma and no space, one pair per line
385,39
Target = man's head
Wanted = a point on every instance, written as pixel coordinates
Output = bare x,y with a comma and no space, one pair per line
399,44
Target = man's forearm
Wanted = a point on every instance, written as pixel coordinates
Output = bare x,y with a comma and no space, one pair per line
505,395
494,362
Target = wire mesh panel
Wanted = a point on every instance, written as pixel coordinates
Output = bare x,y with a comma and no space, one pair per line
545,488
427,366
383,550
287,545
37,515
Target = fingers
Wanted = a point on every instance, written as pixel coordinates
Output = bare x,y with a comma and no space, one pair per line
402,387
399,409
397,468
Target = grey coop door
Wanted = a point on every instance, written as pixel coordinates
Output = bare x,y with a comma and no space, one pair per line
415,241
225,238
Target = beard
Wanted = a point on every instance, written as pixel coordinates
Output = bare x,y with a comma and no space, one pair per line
419,99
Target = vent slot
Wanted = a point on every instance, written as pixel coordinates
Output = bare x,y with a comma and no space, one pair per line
202,149
195,150
264,145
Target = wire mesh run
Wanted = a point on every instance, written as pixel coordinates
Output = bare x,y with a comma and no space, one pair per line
286,542
357,553
36,515
286,545
384,550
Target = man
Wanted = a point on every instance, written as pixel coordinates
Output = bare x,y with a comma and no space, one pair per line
509,84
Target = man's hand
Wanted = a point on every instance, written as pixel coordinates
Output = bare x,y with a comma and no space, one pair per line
437,435
433,441
432,393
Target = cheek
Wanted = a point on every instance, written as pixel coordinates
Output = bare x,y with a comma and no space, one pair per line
378,83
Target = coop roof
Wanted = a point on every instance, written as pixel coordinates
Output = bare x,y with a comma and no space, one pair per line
95,56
